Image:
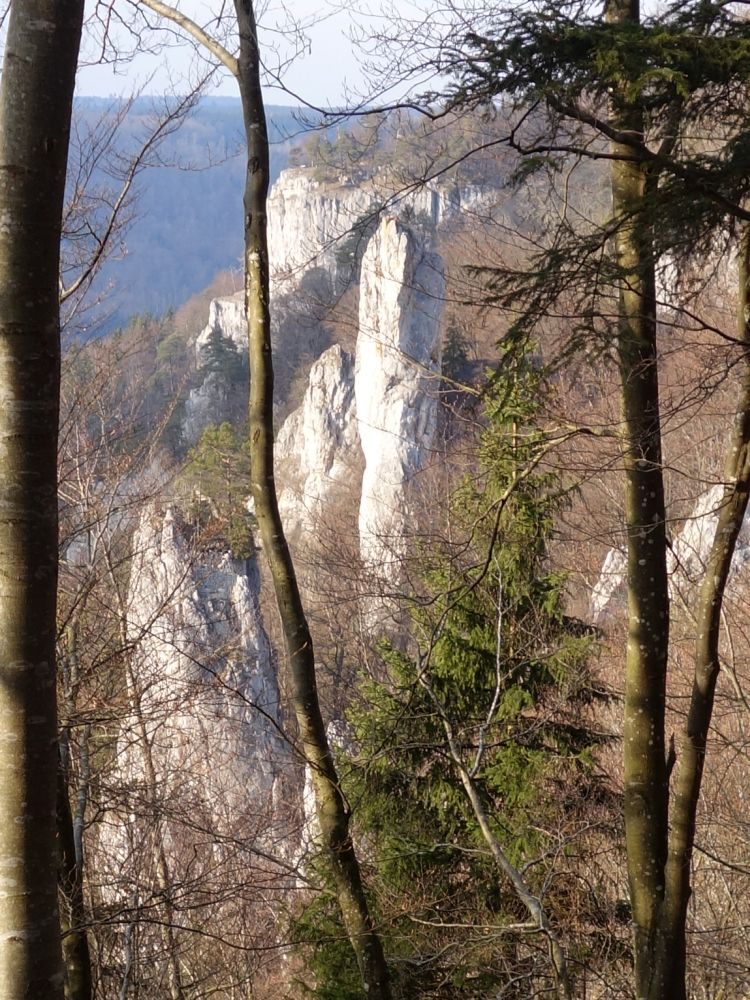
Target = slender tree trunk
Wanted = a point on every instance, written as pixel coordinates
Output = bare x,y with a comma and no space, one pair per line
659,830
645,775
331,808
692,750
75,945
76,957
36,94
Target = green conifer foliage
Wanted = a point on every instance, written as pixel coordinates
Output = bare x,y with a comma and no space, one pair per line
511,672
219,469
220,356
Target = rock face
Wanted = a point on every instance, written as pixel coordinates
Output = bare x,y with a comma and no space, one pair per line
317,448
686,560
610,583
226,317
221,354
309,219
306,221
402,291
209,403
198,781
379,412
199,748
202,656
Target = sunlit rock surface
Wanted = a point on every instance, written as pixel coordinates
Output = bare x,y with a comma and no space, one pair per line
307,220
226,317
397,377
317,448
199,753
310,221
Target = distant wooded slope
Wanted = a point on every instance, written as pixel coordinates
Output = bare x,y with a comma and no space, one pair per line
188,215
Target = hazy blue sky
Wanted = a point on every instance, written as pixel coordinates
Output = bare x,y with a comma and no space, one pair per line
321,74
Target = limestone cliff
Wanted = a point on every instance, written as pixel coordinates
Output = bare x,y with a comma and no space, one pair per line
309,221
686,559
379,413
226,317
199,752
317,448
397,376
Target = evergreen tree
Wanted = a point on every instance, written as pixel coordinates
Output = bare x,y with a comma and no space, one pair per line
496,659
664,99
219,468
221,357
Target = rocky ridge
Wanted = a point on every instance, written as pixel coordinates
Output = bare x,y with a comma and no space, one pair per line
309,219
397,377
375,416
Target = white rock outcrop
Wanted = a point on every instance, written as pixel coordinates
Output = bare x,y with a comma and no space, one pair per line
686,560
374,421
226,317
207,404
317,448
199,752
397,374
610,582
308,218
217,398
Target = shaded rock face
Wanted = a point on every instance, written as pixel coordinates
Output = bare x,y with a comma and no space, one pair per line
219,396
212,402
199,748
202,657
397,372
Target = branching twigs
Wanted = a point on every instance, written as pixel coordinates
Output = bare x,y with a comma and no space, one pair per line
101,237
533,903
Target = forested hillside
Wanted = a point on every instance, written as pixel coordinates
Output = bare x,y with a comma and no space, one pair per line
185,223
374,550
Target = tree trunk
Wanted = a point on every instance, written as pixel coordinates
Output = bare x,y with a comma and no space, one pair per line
36,96
76,957
692,750
331,808
645,775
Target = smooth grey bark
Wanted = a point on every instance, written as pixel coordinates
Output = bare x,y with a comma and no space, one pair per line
36,94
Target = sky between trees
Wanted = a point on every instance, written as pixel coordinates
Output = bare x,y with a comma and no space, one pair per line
324,73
